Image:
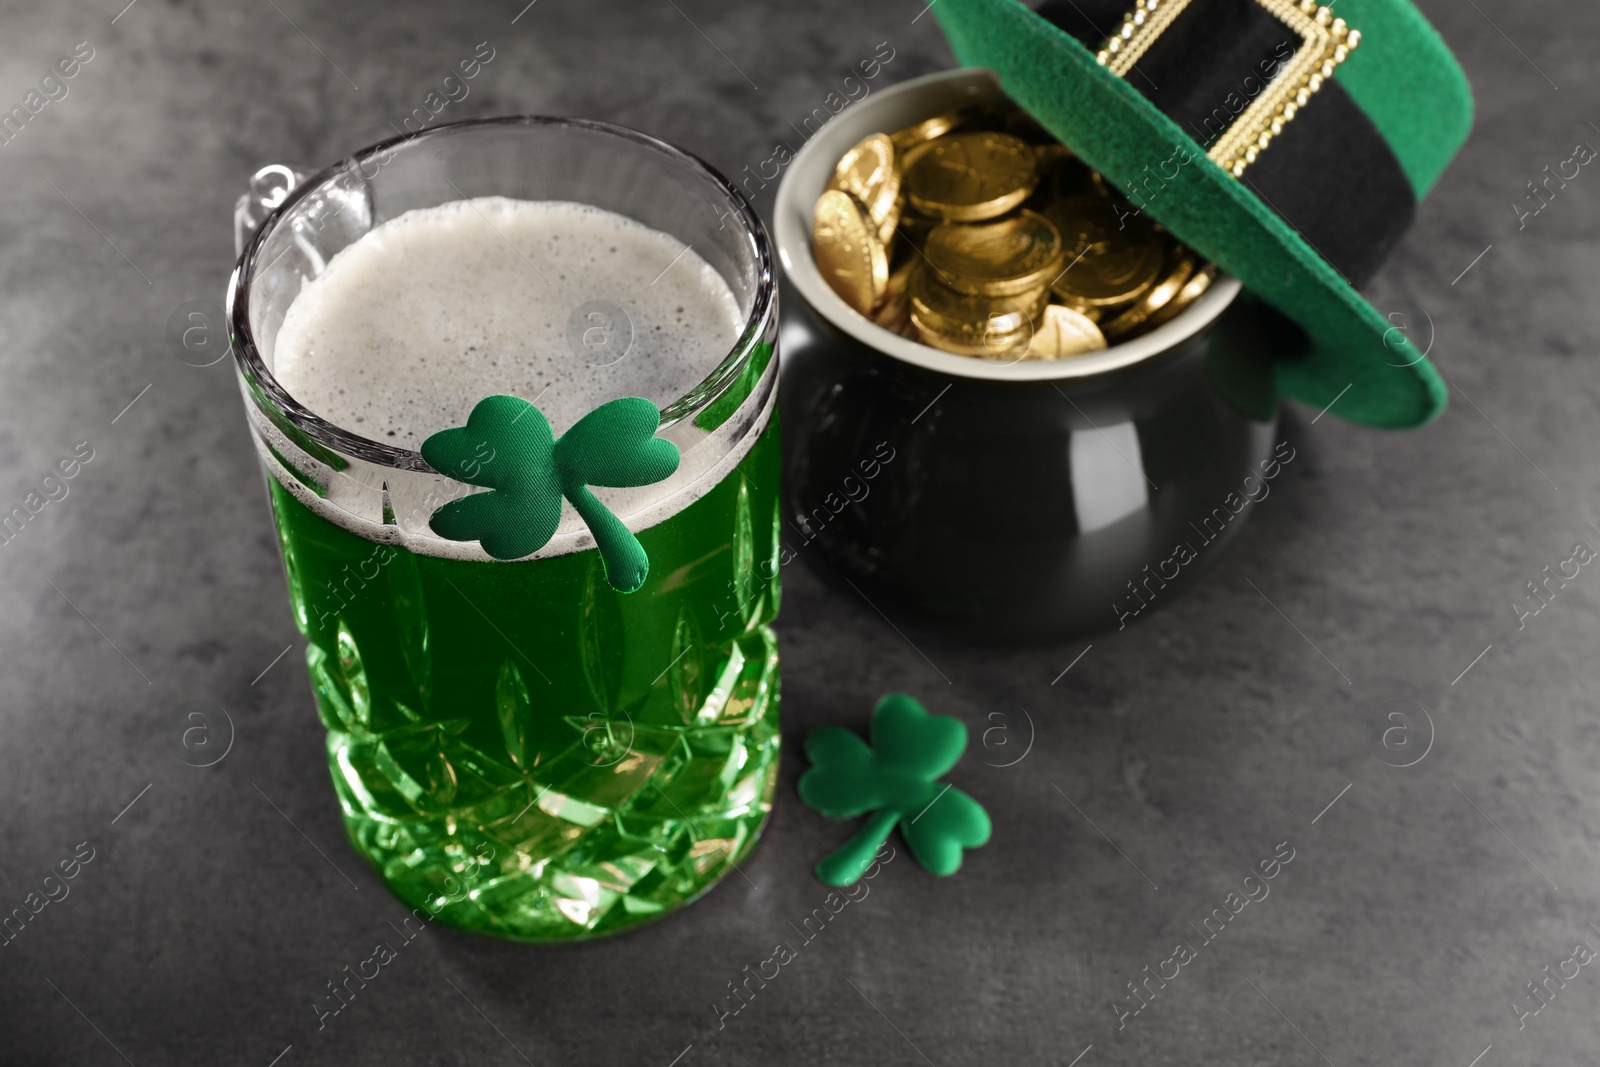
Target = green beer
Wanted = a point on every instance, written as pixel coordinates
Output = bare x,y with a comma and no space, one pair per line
518,747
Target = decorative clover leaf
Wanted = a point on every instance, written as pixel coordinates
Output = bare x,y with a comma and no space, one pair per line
507,446
895,778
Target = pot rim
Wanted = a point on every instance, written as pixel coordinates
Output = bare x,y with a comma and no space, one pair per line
891,109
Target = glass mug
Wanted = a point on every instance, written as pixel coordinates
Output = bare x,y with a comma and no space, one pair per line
518,748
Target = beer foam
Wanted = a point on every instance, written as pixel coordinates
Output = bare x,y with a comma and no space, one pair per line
408,327
430,312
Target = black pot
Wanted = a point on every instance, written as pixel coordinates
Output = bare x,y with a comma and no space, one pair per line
1005,503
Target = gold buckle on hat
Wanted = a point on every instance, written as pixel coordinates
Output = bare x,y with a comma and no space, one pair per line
1325,42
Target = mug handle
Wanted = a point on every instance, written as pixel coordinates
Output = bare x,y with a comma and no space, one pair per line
269,187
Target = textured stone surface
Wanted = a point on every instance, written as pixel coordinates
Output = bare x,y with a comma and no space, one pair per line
217,907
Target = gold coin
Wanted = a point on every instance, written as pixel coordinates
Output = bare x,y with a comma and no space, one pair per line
1198,283
938,308
892,316
1015,254
908,158
1181,265
969,324
869,173
971,176
894,310
891,221
1009,347
899,281
1113,255
1092,314
1064,333
931,129
844,240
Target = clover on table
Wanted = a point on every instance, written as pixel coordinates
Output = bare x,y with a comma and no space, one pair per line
507,446
896,778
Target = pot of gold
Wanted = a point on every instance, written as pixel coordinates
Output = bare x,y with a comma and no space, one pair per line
1016,408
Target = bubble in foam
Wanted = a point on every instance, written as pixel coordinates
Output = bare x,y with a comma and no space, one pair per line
564,304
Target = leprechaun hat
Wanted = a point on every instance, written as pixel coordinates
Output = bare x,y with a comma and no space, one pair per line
1288,145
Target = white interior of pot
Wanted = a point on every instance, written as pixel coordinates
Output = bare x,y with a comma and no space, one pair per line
884,112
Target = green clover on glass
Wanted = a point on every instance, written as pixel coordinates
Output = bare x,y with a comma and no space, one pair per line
507,446
895,778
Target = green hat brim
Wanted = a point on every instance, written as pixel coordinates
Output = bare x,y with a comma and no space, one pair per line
1356,363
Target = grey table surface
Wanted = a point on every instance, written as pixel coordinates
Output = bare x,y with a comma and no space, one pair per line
1378,578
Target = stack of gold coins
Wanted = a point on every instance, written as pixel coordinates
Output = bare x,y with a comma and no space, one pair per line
976,233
